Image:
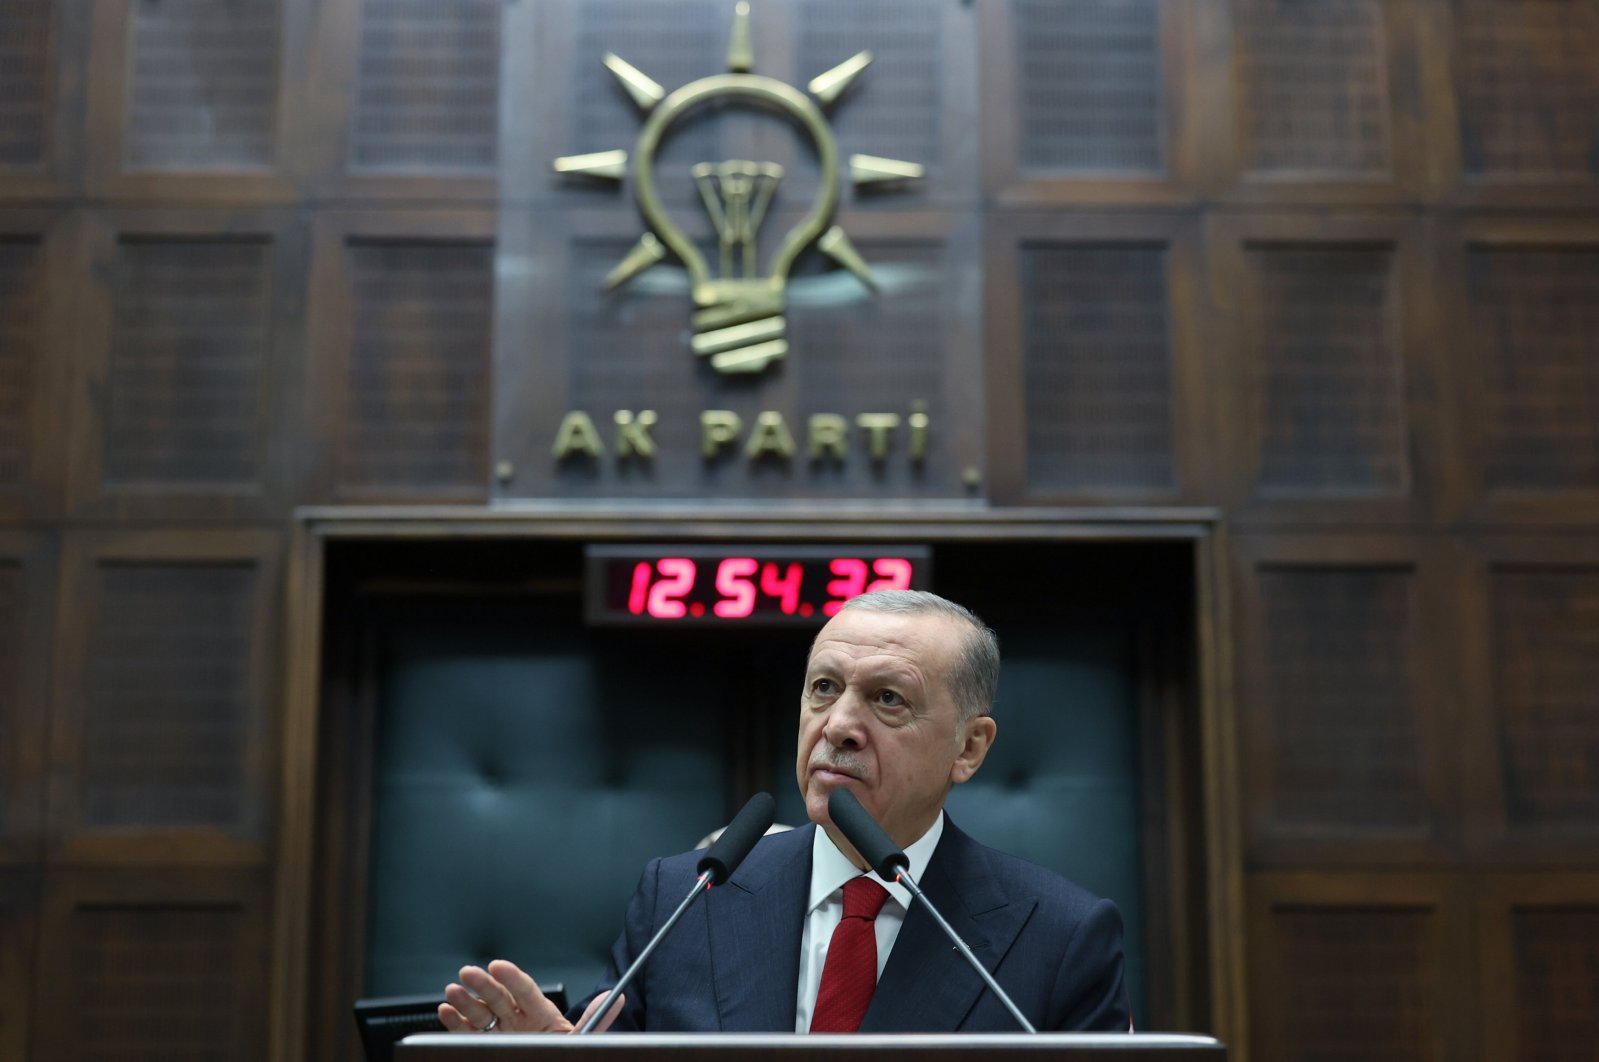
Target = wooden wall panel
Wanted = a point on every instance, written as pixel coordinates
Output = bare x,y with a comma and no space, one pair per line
1092,97
1087,102
1314,96
1328,380
1528,89
406,98
1337,648
1098,378
1343,721
1358,967
163,964
27,601
1532,691
202,86
23,293
1537,344
401,346
186,349
1332,101
189,338
427,87
1540,941
1545,623
36,322
1518,292
191,100
1328,332
19,928
42,49
1097,383
27,82
161,738
417,390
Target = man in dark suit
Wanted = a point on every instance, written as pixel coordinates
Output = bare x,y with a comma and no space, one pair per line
896,707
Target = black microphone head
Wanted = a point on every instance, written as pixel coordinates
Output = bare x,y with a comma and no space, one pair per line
862,831
747,827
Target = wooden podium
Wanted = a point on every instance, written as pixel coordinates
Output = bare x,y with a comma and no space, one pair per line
788,1047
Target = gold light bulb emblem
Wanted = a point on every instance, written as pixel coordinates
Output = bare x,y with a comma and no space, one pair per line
739,323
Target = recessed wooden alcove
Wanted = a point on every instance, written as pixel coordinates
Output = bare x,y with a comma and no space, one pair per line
1157,571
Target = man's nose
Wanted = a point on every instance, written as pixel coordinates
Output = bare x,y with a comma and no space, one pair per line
846,722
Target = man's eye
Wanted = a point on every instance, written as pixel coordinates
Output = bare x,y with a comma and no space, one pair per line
890,698
822,686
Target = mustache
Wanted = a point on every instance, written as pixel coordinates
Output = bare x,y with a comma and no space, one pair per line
839,760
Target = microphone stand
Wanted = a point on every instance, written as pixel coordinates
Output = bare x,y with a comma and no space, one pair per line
949,931
701,885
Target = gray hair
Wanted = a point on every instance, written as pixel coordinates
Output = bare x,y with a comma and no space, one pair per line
975,680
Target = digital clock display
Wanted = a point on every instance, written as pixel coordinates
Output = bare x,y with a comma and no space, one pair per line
706,585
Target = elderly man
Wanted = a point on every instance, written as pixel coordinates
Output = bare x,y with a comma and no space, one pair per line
896,707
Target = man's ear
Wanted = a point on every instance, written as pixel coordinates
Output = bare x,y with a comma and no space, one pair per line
979,739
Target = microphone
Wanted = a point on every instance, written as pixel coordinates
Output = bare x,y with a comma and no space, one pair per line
715,867
747,827
890,862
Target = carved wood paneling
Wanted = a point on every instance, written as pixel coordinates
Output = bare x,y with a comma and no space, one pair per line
161,736
19,928
1528,89
427,87
1545,630
22,333
1338,645
184,345
1092,86
1535,332
13,602
202,85
1346,967
1539,950
186,100
1348,731
1095,102
1313,87
27,77
27,588
1327,383
169,965
165,731
1557,980
416,397
189,343
1331,355
1098,383
1526,608
1096,337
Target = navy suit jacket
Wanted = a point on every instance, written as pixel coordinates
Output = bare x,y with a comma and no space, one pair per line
732,963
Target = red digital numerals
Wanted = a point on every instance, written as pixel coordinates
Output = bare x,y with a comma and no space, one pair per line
659,589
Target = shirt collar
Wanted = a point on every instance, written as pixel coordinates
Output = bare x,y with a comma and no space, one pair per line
830,868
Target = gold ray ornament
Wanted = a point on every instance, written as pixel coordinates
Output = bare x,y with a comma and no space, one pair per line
739,324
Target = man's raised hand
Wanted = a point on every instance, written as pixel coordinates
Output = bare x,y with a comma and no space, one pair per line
504,999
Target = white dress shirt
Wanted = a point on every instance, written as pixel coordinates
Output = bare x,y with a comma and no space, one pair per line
829,871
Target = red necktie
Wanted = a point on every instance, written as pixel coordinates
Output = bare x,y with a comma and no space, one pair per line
850,975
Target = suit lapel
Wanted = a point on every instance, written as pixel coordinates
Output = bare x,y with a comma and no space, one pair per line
927,986
756,921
